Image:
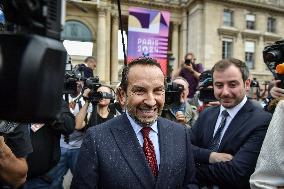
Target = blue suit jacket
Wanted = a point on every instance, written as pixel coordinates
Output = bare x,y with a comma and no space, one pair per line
111,157
242,139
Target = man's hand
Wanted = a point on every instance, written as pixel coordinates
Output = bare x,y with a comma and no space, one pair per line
86,93
275,91
13,170
180,117
213,103
189,67
219,157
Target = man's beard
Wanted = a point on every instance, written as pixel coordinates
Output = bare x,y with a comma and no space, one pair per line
143,121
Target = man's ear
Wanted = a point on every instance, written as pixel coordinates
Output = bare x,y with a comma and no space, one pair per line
247,84
121,96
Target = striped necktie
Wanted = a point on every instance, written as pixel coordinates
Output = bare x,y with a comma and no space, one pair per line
217,137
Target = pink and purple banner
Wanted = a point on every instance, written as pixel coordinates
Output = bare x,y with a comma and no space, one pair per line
148,32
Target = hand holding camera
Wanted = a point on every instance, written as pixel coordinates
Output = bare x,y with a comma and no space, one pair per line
189,65
180,117
277,92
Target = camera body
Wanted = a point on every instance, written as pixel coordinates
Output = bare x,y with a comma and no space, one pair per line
173,92
274,53
187,62
93,83
206,91
254,83
32,60
95,96
273,56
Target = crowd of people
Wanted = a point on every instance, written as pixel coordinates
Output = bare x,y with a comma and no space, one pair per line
213,137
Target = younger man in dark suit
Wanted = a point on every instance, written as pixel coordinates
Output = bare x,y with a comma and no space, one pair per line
137,149
227,138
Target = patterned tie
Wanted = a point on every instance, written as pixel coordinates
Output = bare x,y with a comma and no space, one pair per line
149,151
217,137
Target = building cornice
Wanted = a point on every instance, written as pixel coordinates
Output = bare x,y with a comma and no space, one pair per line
231,31
156,4
267,36
258,4
251,34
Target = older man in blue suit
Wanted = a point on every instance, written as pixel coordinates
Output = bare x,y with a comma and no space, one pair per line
227,138
137,149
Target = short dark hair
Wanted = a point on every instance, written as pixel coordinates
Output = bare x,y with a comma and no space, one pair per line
90,58
144,61
225,63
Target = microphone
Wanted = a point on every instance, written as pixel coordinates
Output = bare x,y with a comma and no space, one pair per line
280,68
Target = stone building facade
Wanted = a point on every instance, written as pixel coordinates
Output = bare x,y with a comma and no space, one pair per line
212,29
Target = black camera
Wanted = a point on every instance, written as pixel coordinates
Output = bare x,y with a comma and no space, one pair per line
93,83
206,91
32,60
188,62
273,56
173,92
254,83
274,53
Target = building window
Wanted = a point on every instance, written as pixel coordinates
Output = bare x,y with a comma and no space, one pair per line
78,39
227,48
271,25
250,54
250,20
228,18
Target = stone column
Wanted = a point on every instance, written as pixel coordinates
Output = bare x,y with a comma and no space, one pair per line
114,49
175,44
101,46
108,46
183,37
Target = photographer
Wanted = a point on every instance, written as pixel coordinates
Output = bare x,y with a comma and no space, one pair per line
119,105
89,66
100,108
191,72
273,58
205,95
46,148
69,144
15,145
181,111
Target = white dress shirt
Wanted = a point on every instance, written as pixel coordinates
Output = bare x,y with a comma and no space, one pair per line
232,113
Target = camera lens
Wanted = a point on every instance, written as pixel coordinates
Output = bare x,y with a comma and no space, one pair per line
272,56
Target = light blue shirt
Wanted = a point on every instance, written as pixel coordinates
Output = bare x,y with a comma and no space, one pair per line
153,135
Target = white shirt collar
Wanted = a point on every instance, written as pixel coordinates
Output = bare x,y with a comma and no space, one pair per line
136,127
233,111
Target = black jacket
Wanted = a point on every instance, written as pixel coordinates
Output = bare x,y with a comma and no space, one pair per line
46,143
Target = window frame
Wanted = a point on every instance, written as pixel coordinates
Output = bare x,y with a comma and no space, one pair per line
250,54
271,26
251,22
231,18
227,48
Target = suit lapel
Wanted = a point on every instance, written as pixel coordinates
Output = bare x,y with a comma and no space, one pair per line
237,123
164,139
133,153
210,125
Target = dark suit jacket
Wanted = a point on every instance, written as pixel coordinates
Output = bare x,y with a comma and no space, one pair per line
243,140
111,157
